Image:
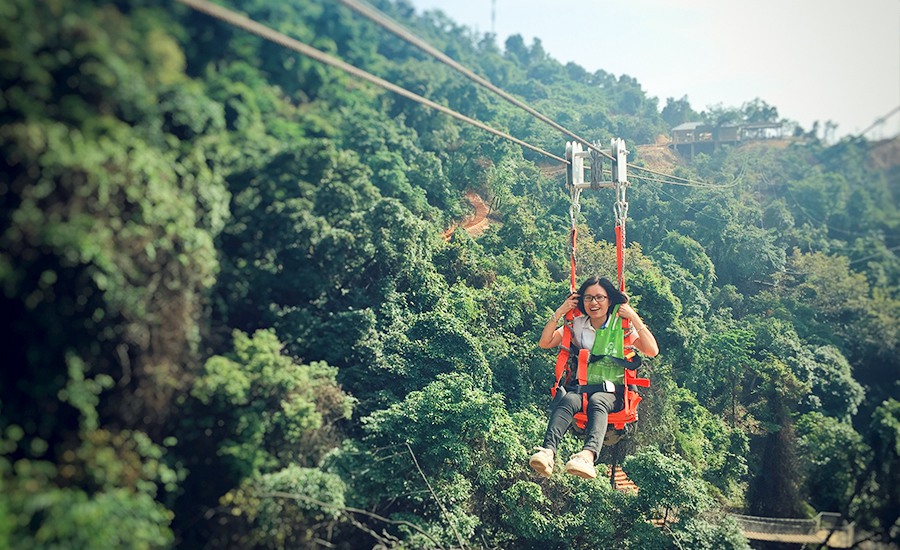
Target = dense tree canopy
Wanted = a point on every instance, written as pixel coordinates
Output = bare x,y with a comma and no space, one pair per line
232,319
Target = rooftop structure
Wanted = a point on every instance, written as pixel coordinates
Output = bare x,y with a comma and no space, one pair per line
698,137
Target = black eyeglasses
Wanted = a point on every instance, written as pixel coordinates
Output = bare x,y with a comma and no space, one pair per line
597,298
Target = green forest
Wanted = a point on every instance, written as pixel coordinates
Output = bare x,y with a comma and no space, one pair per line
232,318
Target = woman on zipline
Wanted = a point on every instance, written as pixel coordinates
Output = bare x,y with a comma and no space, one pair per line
599,329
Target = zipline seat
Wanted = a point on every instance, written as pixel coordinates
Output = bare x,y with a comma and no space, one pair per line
575,182
631,398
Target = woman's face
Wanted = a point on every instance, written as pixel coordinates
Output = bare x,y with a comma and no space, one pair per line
596,302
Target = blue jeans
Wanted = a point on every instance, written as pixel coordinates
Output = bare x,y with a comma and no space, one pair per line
600,404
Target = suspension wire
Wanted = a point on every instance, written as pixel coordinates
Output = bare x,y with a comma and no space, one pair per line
574,209
382,19
815,219
621,212
692,207
880,120
386,22
232,18
689,183
654,172
243,22
683,181
884,253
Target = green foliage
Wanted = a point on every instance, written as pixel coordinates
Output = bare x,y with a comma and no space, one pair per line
101,490
106,220
451,435
43,515
452,422
460,259
678,112
741,243
84,393
774,490
266,402
666,484
656,302
833,384
718,453
759,111
835,456
881,506
827,286
691,255
721,370
106,246
527,512
286,507
171,180
722,532
440,344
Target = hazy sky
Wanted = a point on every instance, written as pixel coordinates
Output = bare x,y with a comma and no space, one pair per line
812,59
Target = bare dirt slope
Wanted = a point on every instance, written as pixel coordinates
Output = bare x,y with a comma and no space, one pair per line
475,224
658,156
885,154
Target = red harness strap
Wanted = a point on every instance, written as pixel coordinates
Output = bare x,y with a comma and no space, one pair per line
628,413
630,336
562,359
572,282
631,398
620,256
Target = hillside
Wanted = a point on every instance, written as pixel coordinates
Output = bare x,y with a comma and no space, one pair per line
659,156
232,318
885,154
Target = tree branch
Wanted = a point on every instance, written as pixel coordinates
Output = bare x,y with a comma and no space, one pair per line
441,506
346,509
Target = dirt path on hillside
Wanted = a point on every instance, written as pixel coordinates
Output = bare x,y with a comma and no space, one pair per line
477,223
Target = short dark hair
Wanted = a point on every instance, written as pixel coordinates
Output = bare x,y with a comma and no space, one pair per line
615,296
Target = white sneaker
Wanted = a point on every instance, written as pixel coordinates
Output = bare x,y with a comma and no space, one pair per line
581,465
542,461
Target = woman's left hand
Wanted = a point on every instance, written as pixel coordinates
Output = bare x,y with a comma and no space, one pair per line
645,342
628,312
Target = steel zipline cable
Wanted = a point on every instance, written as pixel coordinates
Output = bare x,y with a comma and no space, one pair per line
684,183
235,19
240,21
380,18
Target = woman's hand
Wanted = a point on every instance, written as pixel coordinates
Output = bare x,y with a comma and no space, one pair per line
645,341
628,312
550,336
567,306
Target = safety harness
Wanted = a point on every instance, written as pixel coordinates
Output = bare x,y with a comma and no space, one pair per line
566,362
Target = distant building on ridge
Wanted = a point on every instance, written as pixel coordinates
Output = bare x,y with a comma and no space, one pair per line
697,137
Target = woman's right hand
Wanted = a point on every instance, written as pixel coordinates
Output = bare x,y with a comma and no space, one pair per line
567,306
552,335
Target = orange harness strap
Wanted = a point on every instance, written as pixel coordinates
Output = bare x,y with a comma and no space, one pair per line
631,398
562,359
